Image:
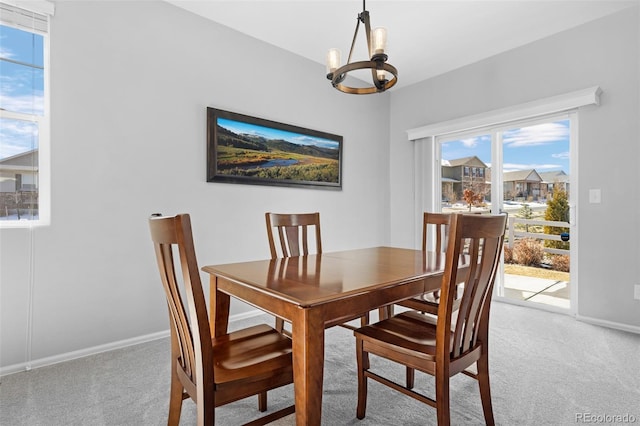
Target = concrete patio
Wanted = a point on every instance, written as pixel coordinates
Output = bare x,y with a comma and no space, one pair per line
537,290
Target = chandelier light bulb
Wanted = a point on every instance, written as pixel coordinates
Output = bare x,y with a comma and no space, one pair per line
333,60
379,41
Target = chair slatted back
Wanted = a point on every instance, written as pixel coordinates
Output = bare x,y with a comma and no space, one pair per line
484,237
191,343
439,222
292,231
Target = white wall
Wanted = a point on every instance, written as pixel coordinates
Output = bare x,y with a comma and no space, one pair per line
130,85
603,53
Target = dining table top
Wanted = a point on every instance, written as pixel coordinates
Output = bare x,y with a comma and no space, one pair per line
315,279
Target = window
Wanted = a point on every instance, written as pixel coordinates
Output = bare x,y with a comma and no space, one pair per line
508,124
521,157
24,124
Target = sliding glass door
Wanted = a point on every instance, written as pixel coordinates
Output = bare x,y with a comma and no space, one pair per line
523,169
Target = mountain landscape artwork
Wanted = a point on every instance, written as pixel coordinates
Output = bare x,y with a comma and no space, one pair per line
244,149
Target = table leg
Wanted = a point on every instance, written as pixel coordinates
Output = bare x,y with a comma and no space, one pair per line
308,364
218,308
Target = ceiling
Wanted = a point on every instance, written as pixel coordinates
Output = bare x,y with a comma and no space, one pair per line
425,37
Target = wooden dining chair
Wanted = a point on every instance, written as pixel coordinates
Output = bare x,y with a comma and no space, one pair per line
445,345
291,231
438,223
212,371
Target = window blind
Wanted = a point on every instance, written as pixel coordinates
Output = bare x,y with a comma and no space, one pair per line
33,15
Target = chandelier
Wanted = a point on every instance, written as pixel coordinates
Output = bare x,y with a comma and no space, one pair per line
383,75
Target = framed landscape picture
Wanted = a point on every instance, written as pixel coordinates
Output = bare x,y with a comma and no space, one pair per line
250,150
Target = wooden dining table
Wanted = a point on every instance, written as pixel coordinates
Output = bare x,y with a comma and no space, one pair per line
319,291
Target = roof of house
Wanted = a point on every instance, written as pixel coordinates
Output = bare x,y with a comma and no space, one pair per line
27,159
522,176
555,176
467,161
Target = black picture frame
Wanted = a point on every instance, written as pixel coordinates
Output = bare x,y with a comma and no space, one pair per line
250,150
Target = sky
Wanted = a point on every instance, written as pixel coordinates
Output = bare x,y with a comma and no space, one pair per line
543,147
21,88
240,127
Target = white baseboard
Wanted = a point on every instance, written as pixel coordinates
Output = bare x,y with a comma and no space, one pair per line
609,324
42,362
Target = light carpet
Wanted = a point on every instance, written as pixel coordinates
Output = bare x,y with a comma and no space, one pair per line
546,369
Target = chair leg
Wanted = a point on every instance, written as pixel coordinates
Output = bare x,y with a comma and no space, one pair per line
262,401
364,320
442,400
205,405
386,312
363,364
485,389
411,377
279,325
383,313
175,397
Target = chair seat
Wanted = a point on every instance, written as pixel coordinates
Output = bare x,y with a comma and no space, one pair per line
250,353
430,298
409,332
428,302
